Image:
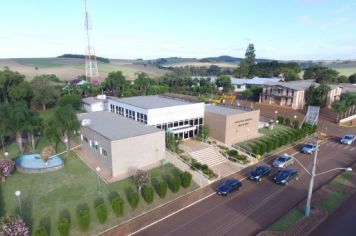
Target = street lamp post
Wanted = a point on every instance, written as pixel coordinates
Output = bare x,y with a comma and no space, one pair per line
98,178
66,143
294,119
275,115
6,154
18,194
313,175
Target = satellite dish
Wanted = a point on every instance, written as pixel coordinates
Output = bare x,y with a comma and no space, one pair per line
85,122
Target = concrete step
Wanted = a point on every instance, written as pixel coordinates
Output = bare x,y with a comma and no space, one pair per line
208,156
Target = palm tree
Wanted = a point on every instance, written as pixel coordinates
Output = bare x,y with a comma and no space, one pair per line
33,125
51,130
18,116
4,124
67,121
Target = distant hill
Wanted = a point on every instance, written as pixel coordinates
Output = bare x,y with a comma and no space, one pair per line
101,59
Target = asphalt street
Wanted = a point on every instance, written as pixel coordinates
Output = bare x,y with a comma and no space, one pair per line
257,204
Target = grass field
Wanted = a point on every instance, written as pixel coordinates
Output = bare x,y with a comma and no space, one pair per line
287,221
46,196
345,68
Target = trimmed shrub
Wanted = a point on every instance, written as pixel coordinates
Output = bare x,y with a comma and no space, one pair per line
185,179
195,165
269,145
262,148
63,226
280,120
133,199
148,194
174,183
232,153
40,232
296,124
287,121
117,205
204,167
83,218
161,189
101,213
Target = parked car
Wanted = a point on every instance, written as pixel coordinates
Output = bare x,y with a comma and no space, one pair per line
283,176
228,186
259,172
309,148
348,139
283,161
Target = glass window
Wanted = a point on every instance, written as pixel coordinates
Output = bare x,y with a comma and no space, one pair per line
196,121
170,125
105,153
159,126
191,122
175,124
180,123
186,122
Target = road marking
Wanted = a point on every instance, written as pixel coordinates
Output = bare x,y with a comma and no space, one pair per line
335,144
352,149
346,147
328,143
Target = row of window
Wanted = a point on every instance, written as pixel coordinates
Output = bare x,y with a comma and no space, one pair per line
129,113
191,122
95,146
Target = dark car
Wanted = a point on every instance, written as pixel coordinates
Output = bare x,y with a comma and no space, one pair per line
259,172
283,176
228,186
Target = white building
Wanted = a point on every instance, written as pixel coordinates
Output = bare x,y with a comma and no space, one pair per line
92,104
180,117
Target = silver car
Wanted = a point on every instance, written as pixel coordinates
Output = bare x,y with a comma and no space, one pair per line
283,161
348,139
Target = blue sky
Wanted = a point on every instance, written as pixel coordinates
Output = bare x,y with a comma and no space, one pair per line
280,29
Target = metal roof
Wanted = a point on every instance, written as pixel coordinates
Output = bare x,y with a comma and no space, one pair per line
115,127
151,102
225,111
91,100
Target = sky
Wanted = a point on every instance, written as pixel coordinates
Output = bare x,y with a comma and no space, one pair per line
131,29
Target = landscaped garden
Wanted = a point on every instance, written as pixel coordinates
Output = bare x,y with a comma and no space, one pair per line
46,198
281,134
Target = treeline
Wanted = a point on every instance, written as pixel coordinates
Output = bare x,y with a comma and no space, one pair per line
80,56
326,75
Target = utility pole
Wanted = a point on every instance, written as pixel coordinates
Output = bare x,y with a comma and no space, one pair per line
311,185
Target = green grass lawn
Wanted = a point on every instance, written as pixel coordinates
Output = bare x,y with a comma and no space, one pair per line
45,115
287,221
333,200
46,196
341,179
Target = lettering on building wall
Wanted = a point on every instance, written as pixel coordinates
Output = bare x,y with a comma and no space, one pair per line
243,122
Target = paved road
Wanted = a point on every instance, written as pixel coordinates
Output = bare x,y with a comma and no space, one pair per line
256,205
341,222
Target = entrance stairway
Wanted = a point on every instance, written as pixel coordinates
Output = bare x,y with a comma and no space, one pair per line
208,156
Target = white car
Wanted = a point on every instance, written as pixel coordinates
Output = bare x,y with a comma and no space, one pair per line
283,161
348,139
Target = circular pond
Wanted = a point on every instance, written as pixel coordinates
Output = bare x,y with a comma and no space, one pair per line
33,163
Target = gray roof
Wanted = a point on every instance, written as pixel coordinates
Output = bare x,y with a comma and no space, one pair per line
297,85
115,127
91,100
225,111
151,102
348,88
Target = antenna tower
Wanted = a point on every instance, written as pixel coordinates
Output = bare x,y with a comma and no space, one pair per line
91,66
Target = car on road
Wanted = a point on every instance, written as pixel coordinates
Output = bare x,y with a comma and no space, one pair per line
348,139
283,176
308,148
259,172
228,186
283,161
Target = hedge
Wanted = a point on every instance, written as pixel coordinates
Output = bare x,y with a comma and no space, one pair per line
83,218
63,226
287,121
161,189
40,232
174,183
185,179
133,199
117,205
101,213
148,194
280,120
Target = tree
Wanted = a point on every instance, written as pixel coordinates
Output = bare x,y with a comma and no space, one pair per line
225,83
204,132
44,93
243,70
6,168
115,83
342,79
346,101
8,79
67,120
316,96
321,74
171,142
4,123
214,70
33,125
247,94
74,100
21,92
250,55
352,78
18,119
142,83
142,178
52,131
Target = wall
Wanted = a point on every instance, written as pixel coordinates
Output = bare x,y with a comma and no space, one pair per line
333,96
140,152
216,124
99,106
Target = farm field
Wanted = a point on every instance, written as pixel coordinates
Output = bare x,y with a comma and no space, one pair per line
70,68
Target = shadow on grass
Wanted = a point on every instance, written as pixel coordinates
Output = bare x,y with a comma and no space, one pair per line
27,208
112,196
65,214
2,204
46,223
98,201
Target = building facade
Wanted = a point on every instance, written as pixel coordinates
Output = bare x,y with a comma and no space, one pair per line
182,118
93,104
120,145
231,125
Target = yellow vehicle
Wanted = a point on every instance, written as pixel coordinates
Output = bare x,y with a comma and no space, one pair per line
222,99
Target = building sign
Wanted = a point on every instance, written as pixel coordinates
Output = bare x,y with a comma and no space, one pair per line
243,122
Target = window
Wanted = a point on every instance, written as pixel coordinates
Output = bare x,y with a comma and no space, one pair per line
127,112
85,139
186,122
180,123
111,108
200,121
164,126
196,121
191,122
117,110
175,124
170,125
105,153
159,126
